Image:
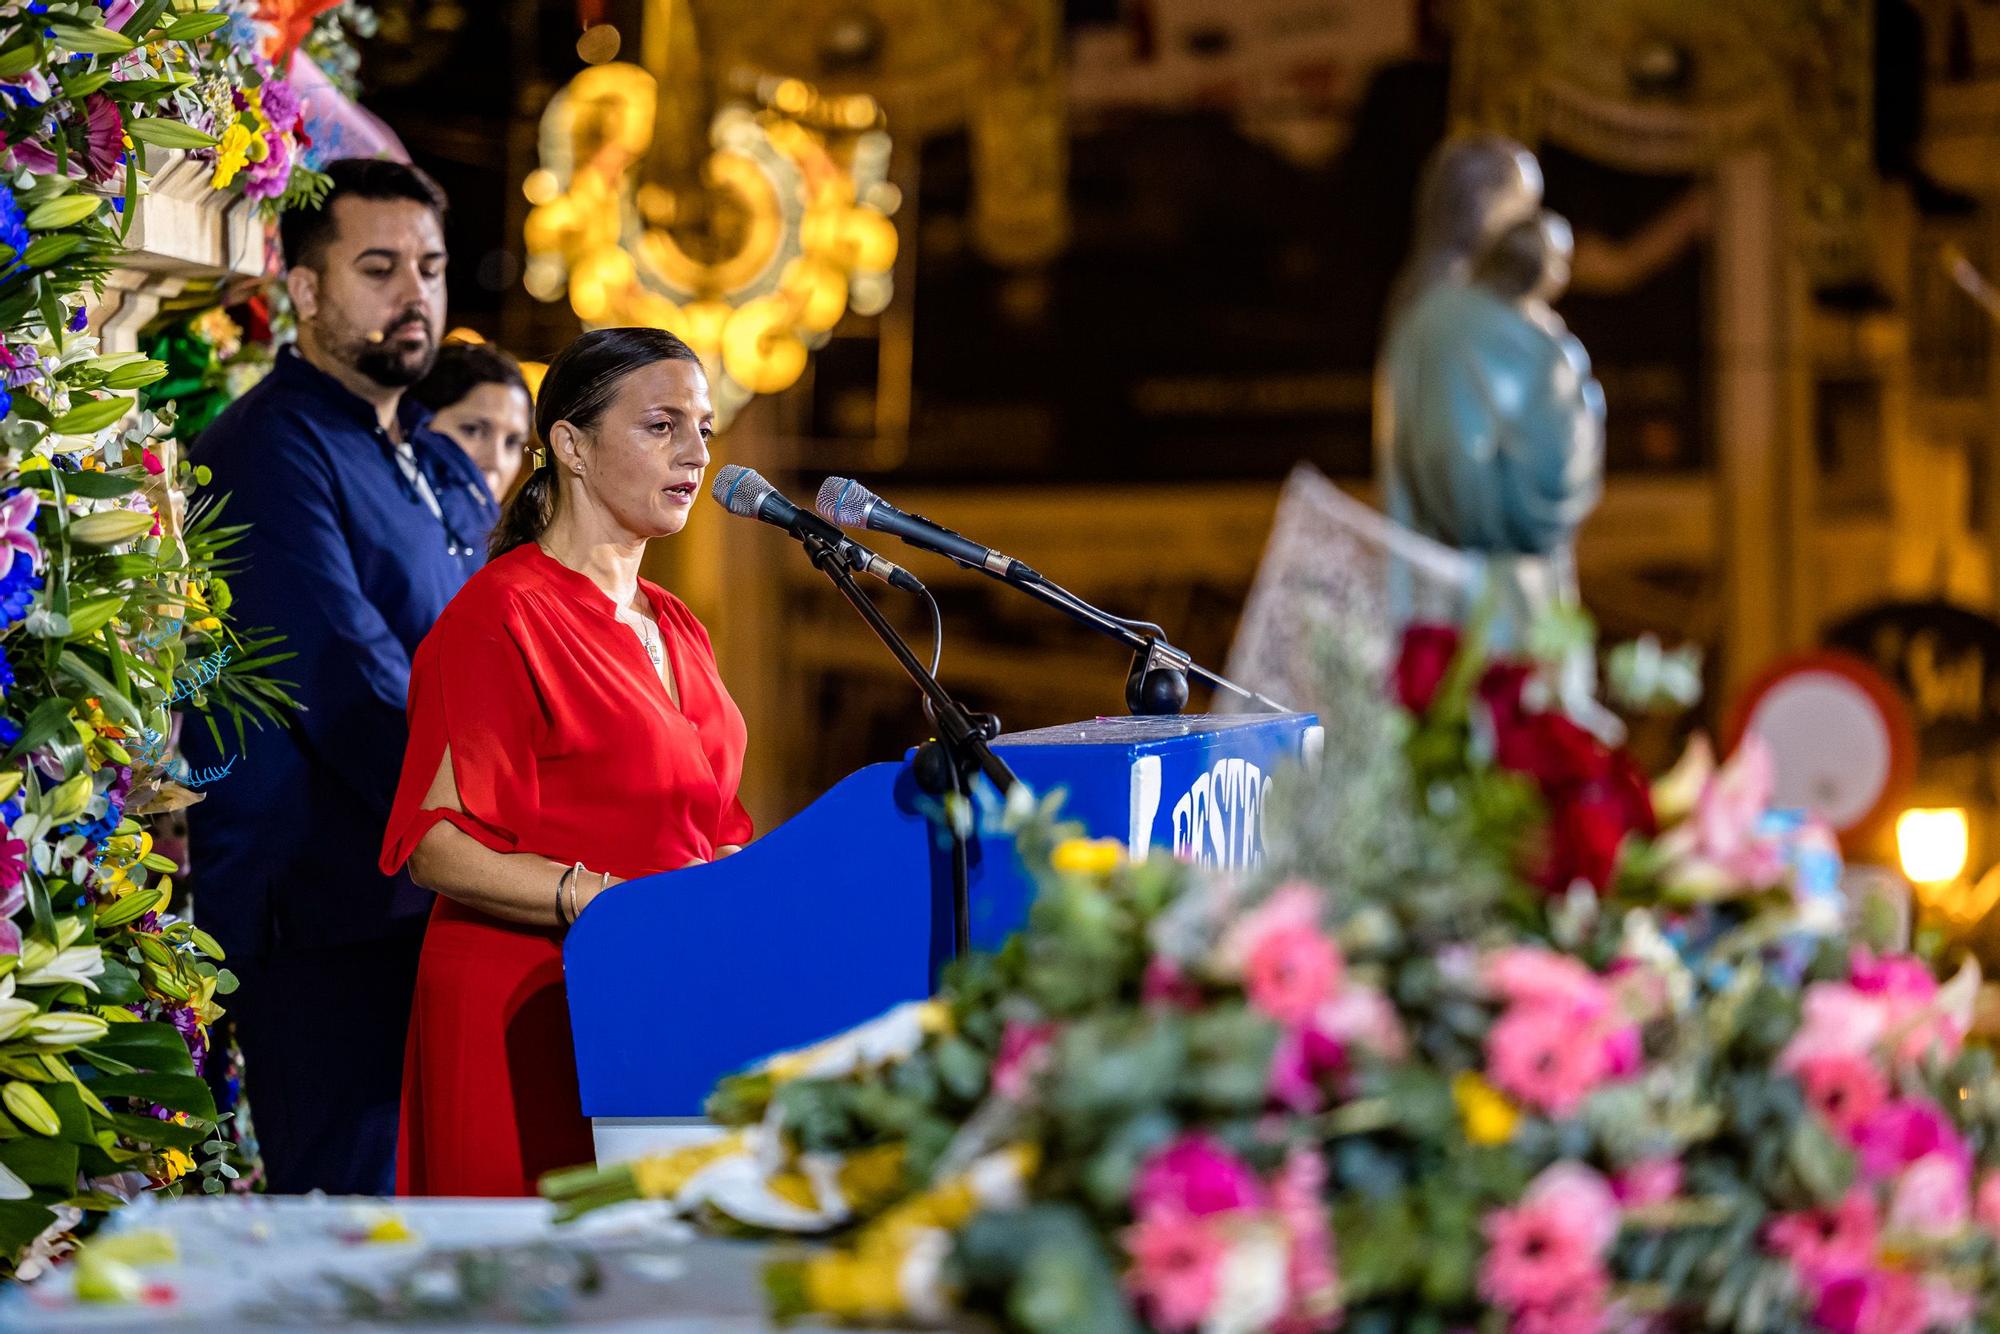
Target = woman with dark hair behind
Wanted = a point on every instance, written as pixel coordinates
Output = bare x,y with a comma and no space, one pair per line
478,397
568,731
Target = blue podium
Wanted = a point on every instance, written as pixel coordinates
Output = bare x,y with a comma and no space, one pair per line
844,910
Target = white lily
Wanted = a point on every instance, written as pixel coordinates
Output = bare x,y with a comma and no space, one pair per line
14,1011
78,963
11,1186
65,1029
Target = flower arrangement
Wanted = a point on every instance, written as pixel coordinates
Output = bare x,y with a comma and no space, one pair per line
108,590
83,83
1500,1037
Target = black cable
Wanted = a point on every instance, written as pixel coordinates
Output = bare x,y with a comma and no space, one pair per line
937,632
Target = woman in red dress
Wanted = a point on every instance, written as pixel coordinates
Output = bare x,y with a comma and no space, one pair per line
568,731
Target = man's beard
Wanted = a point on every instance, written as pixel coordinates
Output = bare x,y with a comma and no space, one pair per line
394,366
389,363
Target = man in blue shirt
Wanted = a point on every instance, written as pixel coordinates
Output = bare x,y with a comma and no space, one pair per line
363,524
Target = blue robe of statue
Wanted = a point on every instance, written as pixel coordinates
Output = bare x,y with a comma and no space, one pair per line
1496,441
1498,445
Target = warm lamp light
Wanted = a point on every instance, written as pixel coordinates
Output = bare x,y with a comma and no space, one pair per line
1933,844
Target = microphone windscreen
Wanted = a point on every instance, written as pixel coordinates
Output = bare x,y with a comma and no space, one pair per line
844,501
740,490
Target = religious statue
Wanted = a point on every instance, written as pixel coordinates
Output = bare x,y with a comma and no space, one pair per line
1493,428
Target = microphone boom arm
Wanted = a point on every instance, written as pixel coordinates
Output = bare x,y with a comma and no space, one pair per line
1047,591
956,727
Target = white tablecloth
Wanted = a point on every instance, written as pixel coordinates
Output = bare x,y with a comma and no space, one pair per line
263,1262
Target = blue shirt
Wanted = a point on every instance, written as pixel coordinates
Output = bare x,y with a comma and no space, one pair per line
347,562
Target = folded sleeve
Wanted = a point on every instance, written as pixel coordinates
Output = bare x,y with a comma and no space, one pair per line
471,690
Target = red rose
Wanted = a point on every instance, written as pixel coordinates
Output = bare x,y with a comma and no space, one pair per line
1589,822
1420,667
1551,749
1500,689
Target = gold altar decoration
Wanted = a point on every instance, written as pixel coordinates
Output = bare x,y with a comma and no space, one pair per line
1668,86
736,188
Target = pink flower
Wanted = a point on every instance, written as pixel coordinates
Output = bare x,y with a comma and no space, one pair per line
1289,967
1165,984
1522,975
1900,975
119,12
1579,1309
1304,1059
1534,1054
104,142
1583,1196
1841,1238
13,869
1531,1259
10,937
152,462
1312,1273
1647,1181
1835,1019
1023,1054
1176,1263
1194,1175
17,521
1843,1088
1987,1206
1361,1016
1621,1051
1727,813
1871,1301
1901,1132
268,179
1544,1256
1933,1197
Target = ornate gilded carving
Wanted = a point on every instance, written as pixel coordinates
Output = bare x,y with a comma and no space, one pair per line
1666,85
737,191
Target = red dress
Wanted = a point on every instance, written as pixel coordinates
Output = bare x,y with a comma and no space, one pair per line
563,743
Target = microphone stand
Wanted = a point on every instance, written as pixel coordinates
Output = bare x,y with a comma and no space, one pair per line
1158,680
962,738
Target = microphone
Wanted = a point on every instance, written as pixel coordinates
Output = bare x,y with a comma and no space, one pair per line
844,501
744,491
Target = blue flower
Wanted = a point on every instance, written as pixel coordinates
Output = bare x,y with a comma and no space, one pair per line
79,321
17,591
6,676
6,401
13,228
10,811
10,732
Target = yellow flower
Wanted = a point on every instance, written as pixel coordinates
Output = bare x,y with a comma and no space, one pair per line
855,1287
1088,856
173,1165
206,623
1489,1118
231,155
870,1178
